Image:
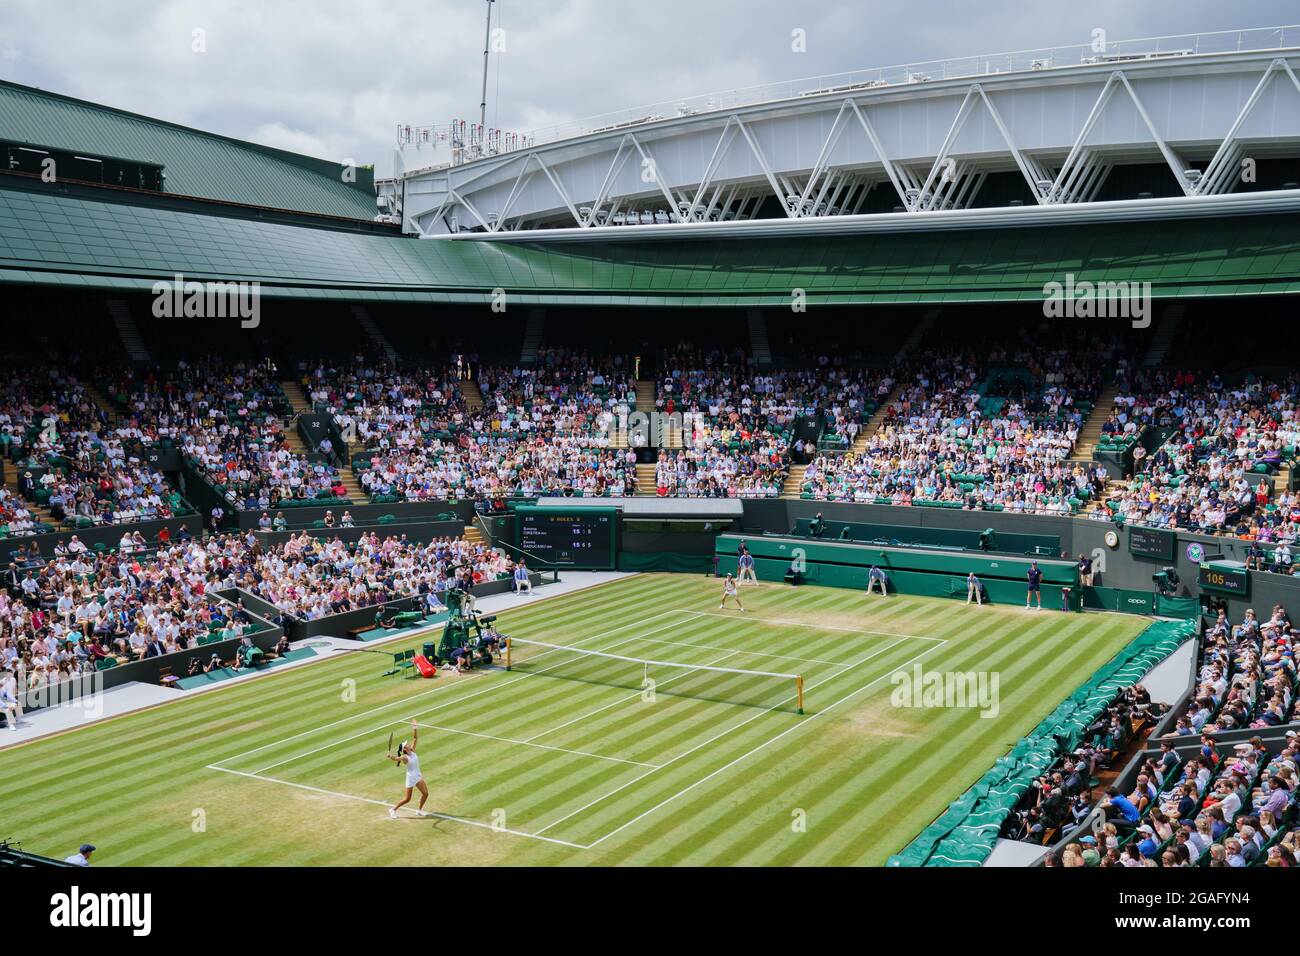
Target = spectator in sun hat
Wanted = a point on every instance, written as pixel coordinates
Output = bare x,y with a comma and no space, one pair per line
1089,854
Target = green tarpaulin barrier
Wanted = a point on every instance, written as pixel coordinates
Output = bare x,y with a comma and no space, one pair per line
665,561
964,835
1187,607
926,573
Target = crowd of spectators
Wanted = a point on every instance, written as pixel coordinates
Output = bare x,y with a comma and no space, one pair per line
80,610
379,406
72,459
228,418
994,433
1214,471
738,422
1060,797
959,433
1246,676
309,577
1196,802
549,429
1220,807
16,519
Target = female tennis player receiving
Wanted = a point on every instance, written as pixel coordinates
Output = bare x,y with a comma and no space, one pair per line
729,591
414,779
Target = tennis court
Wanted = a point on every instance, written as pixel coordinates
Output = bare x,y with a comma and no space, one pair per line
573,727
573,758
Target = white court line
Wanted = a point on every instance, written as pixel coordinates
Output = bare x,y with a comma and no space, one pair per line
383,803
528,743
751,752
620,700
820,627
429,710
405,700
732,729
737,650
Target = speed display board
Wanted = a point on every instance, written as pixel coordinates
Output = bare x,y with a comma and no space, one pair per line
1230,577
580,538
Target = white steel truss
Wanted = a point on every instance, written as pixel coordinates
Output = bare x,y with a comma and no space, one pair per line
1221,174
836,185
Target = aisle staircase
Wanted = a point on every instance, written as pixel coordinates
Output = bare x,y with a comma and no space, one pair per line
127,330
793,486
101,400
299,402
533,332
645,479
759,346
876,421
293,391
356,494
918,332
645,404
1282,480
645,395
377,338
473,535
1166,332
293,439
1090,433
472,394
39,512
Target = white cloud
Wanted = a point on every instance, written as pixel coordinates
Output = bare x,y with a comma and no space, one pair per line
335,78
280,136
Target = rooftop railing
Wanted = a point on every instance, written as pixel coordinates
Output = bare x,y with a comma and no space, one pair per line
1096,50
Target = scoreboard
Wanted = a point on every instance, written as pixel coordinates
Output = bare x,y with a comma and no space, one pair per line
1151,542
580,538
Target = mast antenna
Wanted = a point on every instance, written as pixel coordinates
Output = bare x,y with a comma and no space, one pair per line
482,106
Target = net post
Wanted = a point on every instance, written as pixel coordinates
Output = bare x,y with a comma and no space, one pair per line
798,684
508,658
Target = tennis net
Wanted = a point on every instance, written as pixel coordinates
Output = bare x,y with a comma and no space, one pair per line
731,685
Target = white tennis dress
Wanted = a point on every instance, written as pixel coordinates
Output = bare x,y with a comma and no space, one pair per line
412,769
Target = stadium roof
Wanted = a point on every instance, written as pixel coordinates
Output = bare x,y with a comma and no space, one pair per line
49,236
195,163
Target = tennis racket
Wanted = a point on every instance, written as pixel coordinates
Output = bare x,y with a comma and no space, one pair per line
390,742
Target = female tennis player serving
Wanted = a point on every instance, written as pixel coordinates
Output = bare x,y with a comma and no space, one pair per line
729,591
414,780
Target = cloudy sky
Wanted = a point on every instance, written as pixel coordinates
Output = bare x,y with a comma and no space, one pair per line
334,78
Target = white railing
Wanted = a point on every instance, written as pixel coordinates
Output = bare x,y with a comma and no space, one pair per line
1098,50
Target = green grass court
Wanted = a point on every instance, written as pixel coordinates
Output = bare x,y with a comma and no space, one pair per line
574,766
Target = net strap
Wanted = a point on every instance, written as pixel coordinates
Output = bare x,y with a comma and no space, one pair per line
587,652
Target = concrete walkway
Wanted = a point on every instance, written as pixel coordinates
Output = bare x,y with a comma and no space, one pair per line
133,696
